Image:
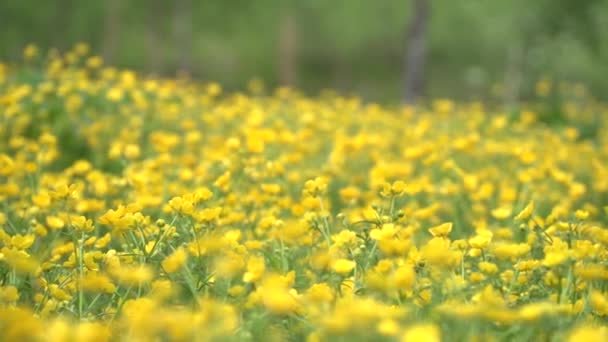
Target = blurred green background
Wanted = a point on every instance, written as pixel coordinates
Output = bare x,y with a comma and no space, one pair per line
472,48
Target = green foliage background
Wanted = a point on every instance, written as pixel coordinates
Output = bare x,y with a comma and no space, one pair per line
355,46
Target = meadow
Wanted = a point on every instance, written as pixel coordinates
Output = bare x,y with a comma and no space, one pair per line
135,208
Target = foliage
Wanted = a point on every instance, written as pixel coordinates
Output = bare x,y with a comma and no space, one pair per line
354,46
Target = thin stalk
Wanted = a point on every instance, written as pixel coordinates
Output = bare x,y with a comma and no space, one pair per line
80,276
325,222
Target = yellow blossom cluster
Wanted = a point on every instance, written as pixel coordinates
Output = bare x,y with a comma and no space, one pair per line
135,208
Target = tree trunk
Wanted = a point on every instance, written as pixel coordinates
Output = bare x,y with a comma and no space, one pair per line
287,48
516,56
183,35
416,53
342,72
61,21
111,29
154,53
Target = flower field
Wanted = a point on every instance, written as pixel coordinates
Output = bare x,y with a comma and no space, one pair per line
135,208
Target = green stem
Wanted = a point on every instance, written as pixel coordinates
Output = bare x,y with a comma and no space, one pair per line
80,276
327,232
284,265
122,303
93,303
462,267
160,237
190,282
392,207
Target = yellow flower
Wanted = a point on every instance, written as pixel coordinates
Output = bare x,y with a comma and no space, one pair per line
350,193
82,224
488,267
59,293
175,261
132,275
404,277
441,230
581,215
229,265
345,238
501,213
58,330
20,261
92,331
554,258
315,187
202,194
592,272
23,241
387,232
132,151
30,51
398,187
115,94
64,191
437,252
103,241
526,213
96,282
588,333
481,240
599,303
388,327
54,222
277,297
255,269
271,189
422,332
231,188
208,214
370,214
510,250
182,205
9,293
236,290
320,293
343,266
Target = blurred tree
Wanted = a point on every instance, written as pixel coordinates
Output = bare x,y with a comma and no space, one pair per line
112,29
354,46
536,28
183,34
61,19
569,17
416,54
153,42
287,54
